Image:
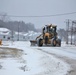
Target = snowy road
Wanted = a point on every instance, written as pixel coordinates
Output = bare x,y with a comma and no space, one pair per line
37,60
66,51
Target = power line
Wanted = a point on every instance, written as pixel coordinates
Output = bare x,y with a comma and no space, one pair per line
43,15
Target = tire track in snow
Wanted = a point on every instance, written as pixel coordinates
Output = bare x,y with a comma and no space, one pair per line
69,61
63,62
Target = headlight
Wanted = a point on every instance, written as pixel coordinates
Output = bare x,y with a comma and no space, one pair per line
51,27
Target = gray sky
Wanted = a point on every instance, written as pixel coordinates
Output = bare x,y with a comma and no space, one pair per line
40,7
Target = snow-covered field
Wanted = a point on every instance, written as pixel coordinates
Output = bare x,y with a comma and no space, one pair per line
35,60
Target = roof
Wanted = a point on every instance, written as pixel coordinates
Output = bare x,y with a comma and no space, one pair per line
51,25
4,30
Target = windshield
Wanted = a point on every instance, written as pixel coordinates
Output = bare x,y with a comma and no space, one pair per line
52,29
49,29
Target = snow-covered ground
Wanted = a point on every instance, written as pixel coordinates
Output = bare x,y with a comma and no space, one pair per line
36,60
65,50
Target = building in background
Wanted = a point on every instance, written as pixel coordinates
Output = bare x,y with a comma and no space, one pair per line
8,35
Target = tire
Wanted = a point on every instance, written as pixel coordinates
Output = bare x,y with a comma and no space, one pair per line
59,43
40,42
46,40
54,42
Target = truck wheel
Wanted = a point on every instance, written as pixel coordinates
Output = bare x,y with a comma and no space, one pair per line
40,42
54,42
59,43
46,40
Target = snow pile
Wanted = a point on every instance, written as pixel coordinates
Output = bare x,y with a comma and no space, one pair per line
32,62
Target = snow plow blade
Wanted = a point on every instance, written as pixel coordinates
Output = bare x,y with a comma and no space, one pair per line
33,42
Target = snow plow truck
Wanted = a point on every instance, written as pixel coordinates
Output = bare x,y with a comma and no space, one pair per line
49,37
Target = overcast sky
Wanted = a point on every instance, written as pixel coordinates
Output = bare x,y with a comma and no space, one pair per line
39,8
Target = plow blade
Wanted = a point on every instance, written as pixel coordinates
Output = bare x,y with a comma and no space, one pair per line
33,42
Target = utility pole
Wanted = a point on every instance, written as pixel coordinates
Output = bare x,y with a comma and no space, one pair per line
72,33
67,29
18,32
12,35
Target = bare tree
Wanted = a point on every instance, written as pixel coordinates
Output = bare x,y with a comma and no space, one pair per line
4,17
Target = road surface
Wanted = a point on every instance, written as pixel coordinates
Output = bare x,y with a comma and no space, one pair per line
20,58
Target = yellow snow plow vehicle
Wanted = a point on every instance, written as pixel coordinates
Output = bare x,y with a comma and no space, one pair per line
49,37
